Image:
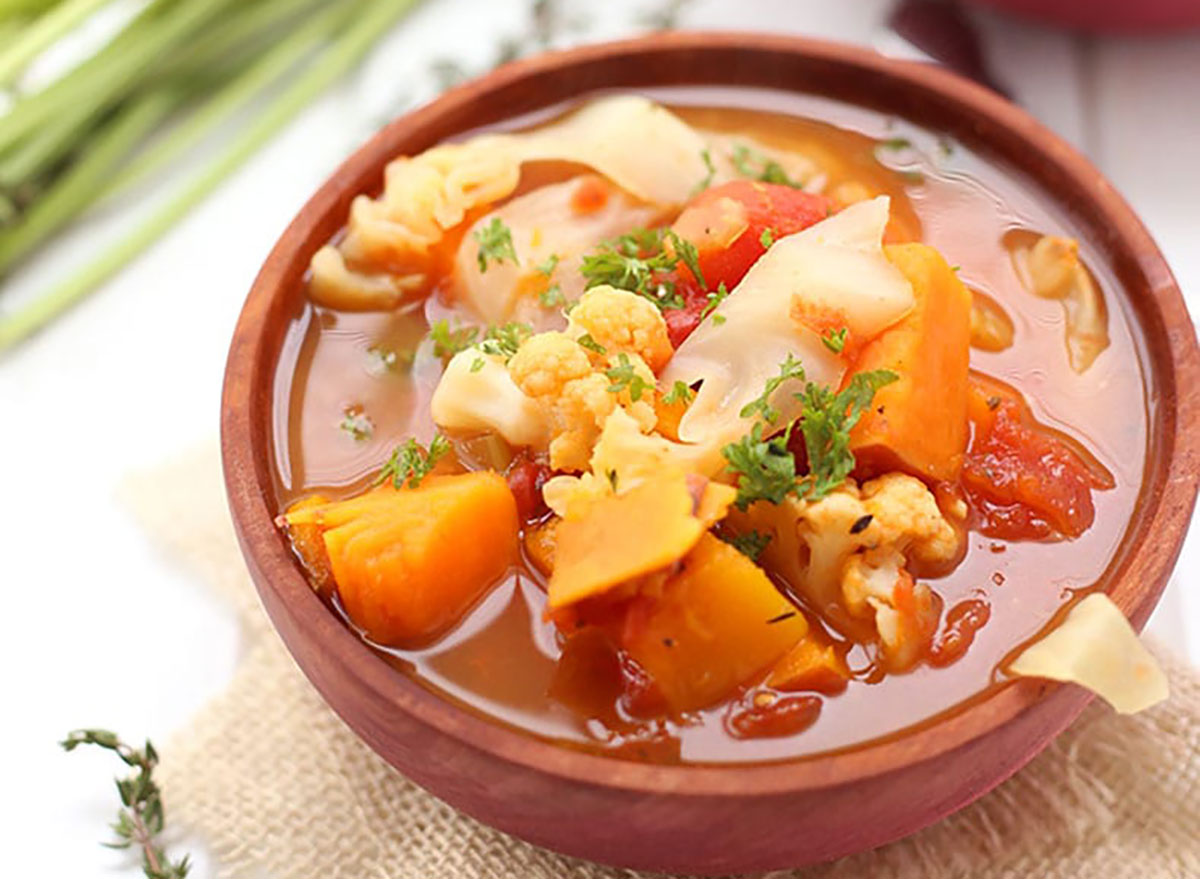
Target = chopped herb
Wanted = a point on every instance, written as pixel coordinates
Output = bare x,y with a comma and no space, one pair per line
612,478
767,238
504,340
495,244
912,176
826,421
381,360
679,393
552,297
708,178
751,544
993,403
786,615
761,405
956,269
625,376
447,342
895,143
945,147
715,298
357,424
412,462
765,469
835,341
861,524
668,642
636,262
591,344
477,364
548,265
757,166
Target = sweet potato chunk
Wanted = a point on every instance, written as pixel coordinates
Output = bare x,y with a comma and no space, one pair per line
410,563
810,665
717,624
918,423
622,537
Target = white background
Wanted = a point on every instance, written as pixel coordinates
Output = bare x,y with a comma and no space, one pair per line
99,629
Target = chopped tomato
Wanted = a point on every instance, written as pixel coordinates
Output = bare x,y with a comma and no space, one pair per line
727,225
784,716
962,622
1025,480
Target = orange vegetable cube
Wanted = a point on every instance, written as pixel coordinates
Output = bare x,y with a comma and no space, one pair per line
409,563
718,623
810,665
918,423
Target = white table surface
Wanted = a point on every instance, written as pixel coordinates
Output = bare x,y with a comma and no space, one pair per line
103,630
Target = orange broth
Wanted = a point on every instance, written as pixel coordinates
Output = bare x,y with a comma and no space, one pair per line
500,661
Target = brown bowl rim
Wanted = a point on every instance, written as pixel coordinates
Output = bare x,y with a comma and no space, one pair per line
1165,508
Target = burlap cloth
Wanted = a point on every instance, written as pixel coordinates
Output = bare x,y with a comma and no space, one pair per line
278,787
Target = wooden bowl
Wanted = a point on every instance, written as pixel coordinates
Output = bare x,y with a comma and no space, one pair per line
707,819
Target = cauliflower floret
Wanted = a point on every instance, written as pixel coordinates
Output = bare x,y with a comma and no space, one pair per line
624,457
477,393
576,396
620,321
849,551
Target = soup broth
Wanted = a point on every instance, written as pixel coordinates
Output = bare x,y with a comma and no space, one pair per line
351,386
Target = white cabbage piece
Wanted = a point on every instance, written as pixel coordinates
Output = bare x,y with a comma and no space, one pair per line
837,267
641,147
542,223
477,393
1097,648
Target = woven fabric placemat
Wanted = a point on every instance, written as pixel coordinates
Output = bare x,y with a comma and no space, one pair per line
278,787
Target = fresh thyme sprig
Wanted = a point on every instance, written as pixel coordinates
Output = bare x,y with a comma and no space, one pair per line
140,818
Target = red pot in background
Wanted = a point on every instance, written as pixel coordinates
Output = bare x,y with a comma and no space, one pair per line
1111,16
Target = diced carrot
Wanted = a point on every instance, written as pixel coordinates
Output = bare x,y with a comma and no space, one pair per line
1025,479
409,563
717,624
918,423
810,665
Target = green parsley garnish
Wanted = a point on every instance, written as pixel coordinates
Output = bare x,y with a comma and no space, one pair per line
715,298
552,297
835,341
761,405
477,364
591,344
548,265
357,424
504,340
381,360
637,260
708,178
447,342
495,244
895,143
625,376
751,544
412,462
767,238
766,470
826,419
679,393
757,166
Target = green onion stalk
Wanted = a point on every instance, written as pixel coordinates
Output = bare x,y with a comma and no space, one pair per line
197,65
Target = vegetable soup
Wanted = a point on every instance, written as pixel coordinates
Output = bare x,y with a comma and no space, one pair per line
680,432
